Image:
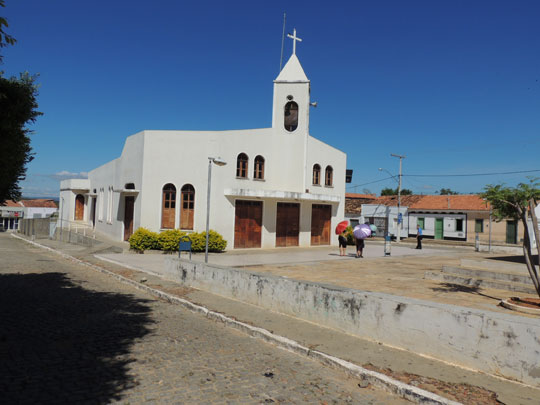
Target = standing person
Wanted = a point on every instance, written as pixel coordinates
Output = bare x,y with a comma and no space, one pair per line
343,243
359,247
418,237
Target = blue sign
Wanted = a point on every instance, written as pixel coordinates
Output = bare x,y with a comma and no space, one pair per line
400,218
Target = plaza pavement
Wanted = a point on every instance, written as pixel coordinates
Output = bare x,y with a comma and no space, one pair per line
400,274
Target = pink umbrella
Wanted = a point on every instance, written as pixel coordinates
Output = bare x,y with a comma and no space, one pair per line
362,231
341,227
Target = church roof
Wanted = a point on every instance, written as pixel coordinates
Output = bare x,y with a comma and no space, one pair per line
292,72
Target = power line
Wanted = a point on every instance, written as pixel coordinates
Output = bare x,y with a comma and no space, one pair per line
371,182
471,174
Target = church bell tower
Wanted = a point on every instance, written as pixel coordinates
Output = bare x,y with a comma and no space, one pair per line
291,97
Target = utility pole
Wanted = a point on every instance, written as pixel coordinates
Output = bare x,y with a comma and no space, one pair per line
401,157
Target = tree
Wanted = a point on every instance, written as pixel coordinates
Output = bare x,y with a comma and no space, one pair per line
447,191
391,191
5,39
519,203
17,109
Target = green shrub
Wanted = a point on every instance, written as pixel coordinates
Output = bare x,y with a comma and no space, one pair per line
143,239
216,243
168,240
349,235
198,242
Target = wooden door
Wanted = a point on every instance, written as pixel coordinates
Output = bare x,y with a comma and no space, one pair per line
187,207
321,216
287,224
128,217
511,232
439,234
168,209
247,224
79,207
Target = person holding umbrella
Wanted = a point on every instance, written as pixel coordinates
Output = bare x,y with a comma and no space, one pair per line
359,247
343,243
341,230
360,233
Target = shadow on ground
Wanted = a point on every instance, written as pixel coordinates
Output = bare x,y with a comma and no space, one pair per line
514,259
449,287
60,342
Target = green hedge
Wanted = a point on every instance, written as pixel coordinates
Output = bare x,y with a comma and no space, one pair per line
168,240
143,239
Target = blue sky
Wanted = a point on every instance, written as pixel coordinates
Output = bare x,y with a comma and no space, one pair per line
454,86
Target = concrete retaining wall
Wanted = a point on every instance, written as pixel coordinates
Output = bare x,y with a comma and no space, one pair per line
501,249
38,227
75,238
494,343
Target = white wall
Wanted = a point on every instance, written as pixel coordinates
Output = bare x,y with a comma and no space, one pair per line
391,213
39,212
449,224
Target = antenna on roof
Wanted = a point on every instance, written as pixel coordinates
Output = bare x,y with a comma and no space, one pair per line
282,41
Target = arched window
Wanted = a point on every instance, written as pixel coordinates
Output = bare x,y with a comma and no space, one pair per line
291,116
188,207
168,206
316,174
242,166
258,169
328,174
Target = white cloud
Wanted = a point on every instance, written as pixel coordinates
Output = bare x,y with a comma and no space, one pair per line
64,174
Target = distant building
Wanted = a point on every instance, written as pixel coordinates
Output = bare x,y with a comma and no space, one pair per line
450,217
353,206
11,212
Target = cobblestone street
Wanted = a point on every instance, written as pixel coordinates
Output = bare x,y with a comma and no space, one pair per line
69,334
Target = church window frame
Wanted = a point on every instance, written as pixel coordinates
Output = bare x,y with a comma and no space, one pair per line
258,168
168,206
329,176
290,116
242,163
187,206
110,205
316,174
100,201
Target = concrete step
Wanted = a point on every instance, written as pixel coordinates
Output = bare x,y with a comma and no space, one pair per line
478,282
521,277
494,265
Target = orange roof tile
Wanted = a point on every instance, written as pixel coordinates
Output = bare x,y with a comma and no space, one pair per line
451,202
436,202
355,195
11,203
39,202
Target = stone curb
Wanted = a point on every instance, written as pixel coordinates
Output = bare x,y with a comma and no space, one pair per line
526,310
380,380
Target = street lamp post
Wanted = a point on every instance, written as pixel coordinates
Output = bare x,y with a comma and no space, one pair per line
401,157
219,162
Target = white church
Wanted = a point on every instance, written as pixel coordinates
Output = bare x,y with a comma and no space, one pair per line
270,187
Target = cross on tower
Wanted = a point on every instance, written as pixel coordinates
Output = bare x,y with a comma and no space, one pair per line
294,38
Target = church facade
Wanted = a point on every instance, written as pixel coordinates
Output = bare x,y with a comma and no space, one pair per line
279,186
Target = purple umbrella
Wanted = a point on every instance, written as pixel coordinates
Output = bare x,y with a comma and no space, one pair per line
362,231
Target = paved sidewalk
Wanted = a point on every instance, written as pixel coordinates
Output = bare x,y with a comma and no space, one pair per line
401,275
71,335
